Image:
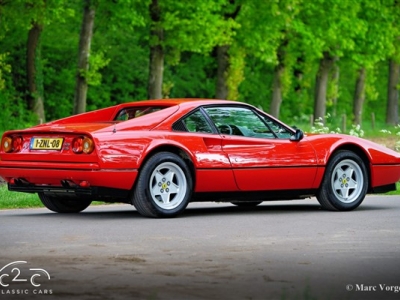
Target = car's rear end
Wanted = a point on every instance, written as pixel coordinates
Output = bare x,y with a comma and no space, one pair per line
86,155
58,162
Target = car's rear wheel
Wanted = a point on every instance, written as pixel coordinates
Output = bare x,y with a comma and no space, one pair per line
164,186
345,183
64,204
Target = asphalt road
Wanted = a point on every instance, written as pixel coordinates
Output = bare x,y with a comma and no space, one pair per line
278,250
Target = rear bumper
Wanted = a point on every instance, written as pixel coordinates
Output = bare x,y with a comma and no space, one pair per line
94,193
37,179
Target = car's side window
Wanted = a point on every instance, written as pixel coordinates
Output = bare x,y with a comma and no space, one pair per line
243,121
196,122
239,121
280,131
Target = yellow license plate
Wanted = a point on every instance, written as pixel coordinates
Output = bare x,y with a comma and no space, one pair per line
46,143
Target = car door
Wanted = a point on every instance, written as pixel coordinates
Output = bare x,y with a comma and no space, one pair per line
262,155
213,168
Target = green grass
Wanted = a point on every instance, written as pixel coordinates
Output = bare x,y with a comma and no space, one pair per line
397,191
10,200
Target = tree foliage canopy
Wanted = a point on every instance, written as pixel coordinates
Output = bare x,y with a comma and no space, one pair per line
261,35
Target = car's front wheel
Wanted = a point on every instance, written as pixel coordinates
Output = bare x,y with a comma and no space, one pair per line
164,186
64,204
345,183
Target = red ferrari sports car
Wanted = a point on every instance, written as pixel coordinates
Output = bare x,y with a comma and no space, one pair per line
159,155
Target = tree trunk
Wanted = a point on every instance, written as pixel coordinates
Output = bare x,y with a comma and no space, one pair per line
276,91
221,91
335,78
298,74
277,81
156,68
392,113
83,57
321,86
359,96
223,60
34,72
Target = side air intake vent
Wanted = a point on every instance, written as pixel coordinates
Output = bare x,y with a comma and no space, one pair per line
179,126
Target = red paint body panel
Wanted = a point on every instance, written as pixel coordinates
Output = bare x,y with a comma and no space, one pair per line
270,179
220,162
271,164
318,177
208,180
378,156
382,174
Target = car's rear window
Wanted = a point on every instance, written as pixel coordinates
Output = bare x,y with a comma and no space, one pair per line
129,113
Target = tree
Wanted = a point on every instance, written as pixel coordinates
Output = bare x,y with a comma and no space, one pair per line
392,111
266,32
83,57
25,82
326,31
222,89
374,44
119,53
321,85
277,83
392,115
14,23
359,96
196,26
35,98
156,65
34,71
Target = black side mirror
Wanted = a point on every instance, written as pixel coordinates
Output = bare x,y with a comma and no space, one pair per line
297,136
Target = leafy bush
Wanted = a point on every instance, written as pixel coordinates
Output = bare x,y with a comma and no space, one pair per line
395,134
321,127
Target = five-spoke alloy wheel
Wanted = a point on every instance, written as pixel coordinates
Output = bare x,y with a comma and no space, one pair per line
168,185
164,186
345,182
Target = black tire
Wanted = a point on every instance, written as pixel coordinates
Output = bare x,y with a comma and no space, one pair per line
64,205
164,186
345,182
246,203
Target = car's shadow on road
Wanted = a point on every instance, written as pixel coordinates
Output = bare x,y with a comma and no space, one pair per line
193,210
285,209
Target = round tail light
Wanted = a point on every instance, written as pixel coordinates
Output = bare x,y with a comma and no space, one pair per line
11,144
87,145
17,144
82,144
6,143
